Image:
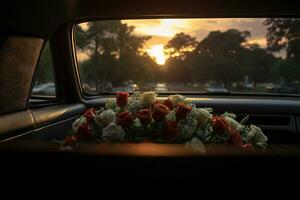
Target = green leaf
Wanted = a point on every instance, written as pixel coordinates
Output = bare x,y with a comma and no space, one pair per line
244,120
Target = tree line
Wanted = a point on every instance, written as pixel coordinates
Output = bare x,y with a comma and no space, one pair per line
115,55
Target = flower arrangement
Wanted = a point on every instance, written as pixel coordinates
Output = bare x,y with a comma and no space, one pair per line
142,117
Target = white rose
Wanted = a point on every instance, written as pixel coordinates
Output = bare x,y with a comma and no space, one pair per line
204,115
112,133
232,122
176,98
78,122
137,123
106,117
257,137
171,116
148,98
196,144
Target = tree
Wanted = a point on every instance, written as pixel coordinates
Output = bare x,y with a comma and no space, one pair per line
113,49
284,33
258,63
180,45
224,50
286,69
45,73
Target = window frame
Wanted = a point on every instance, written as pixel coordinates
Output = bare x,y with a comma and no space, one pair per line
97,95
38,101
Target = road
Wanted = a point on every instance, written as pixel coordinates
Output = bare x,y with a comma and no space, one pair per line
161,87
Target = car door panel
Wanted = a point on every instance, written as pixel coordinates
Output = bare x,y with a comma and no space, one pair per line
51,122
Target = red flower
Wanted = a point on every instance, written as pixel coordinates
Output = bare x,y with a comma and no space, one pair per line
122,98
145,116
124,119
172,129
168,103
84,132
220,125
248,147
159,111
69,141
182,111
235,139
90,114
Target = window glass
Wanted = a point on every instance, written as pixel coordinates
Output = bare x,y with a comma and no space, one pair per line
223,55
44,83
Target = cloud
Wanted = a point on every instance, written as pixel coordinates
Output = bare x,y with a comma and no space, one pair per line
164,29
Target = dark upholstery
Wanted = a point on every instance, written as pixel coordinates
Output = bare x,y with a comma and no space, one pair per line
18,58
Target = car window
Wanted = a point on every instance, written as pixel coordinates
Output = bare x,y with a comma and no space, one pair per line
44,82
222,55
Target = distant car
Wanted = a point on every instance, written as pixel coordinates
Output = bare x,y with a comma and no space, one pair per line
161,87
286,88
273,87
86,88
215,88
47,89
126,88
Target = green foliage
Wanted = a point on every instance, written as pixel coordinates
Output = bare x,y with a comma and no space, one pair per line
114,54
180,45
45,73
284,33
289,69
216,57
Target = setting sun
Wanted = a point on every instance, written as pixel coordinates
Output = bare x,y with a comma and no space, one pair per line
157,52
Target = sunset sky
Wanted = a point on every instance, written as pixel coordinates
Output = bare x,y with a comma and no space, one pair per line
162,30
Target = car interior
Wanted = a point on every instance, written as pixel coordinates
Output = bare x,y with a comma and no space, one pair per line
31,121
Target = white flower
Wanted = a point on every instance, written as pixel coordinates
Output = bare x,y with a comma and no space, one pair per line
78,122
106,117
136,94
196,144
148,98
137,123
232,115
134,105
188,128
176,98
117,109
233,123
171,116
112,133
257,137
67,148
203,115
111,104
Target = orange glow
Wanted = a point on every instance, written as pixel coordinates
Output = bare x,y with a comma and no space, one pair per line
157,52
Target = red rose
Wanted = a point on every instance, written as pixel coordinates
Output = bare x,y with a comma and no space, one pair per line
168,103
182,111
248,148
122,98
124,119
84,132
235,139
219,124
90,114
159,111
145,116
70,141
172,129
